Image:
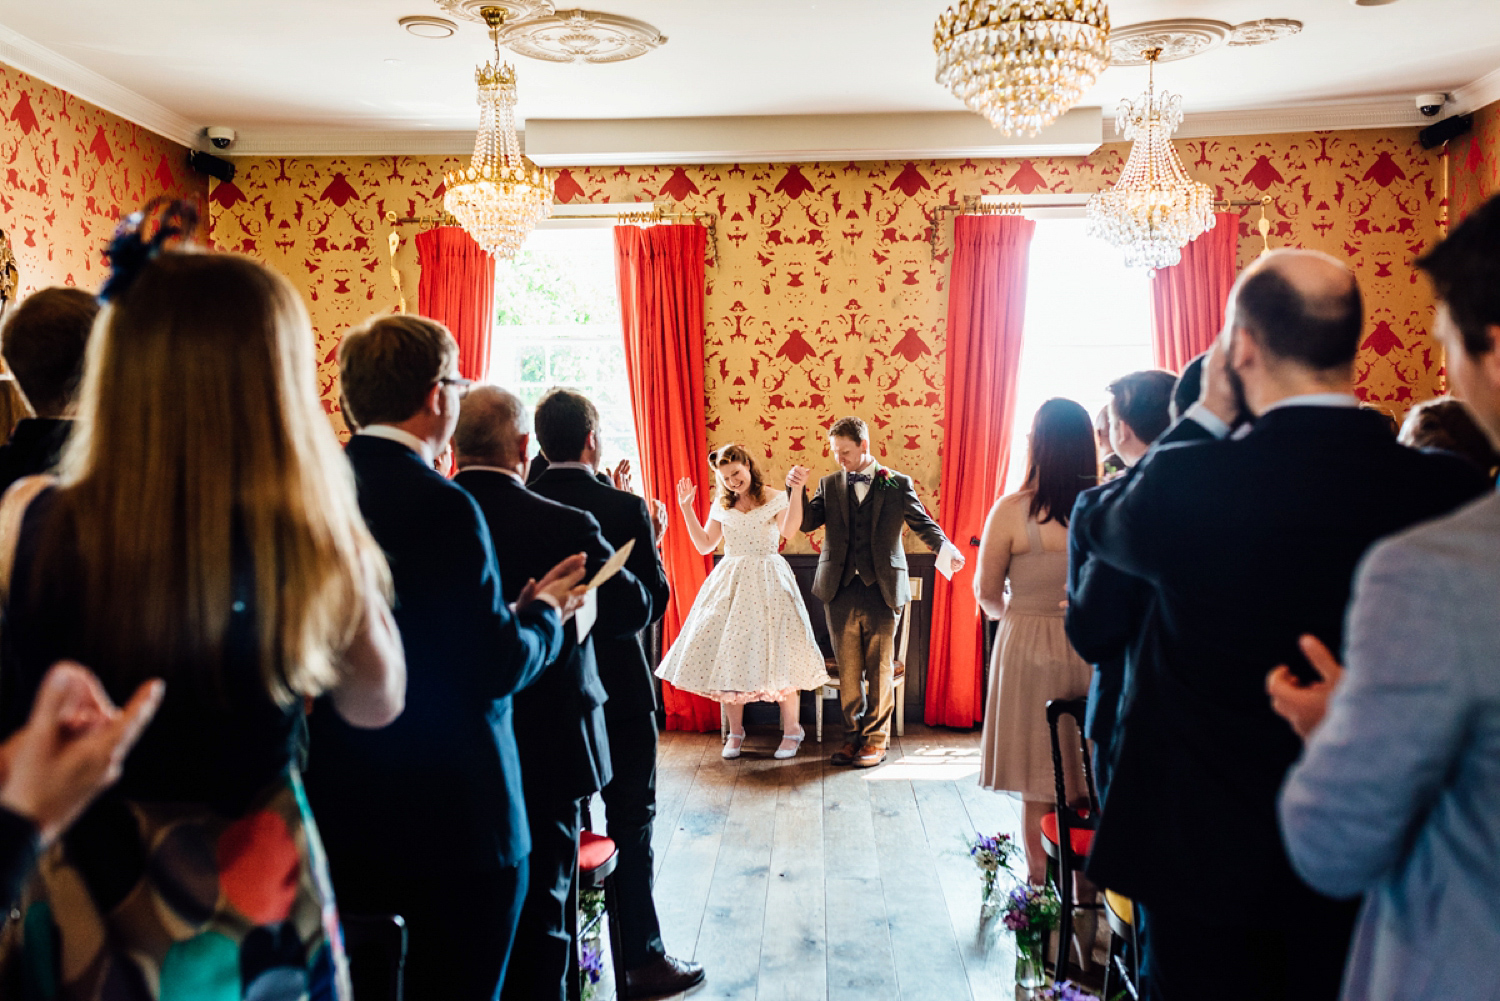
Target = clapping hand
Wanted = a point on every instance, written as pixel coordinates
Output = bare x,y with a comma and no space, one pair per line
1303,705
796,477
686,491
72,747
620,476
658,519
561,584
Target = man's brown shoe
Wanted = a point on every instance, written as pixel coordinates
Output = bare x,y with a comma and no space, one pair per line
869,757
662,977
844,755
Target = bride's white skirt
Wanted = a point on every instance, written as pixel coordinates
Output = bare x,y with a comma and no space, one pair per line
747,637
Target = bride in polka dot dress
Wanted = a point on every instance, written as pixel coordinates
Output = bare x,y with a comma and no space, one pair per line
747,637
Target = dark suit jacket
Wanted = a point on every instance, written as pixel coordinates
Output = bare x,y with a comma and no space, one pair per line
440,788
18,852
1248,544
622,661
559,721
896,506
34,447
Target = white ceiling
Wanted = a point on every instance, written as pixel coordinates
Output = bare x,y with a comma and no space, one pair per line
322,66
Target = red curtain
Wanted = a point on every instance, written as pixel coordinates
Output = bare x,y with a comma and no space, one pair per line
457,289
660,274
986,314
1188,299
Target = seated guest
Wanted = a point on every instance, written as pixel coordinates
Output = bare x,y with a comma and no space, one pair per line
1448,425
1106,608
559,720
567,425
43,342
72,747
1397,795
203,528
1248,543
425,818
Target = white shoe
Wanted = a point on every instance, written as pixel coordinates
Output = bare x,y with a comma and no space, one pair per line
789,745
732,746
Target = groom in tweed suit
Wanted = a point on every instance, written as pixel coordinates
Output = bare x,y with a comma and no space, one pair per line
862,579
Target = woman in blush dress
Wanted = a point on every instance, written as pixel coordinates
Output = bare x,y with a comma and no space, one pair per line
747,637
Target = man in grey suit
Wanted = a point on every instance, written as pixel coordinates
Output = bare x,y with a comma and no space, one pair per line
1397,793
861,577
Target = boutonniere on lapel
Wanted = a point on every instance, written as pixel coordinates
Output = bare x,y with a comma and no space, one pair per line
884,479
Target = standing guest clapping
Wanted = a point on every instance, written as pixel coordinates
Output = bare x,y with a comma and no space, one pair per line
204,530
425,818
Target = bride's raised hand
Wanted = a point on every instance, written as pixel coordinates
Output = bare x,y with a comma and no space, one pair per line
686,491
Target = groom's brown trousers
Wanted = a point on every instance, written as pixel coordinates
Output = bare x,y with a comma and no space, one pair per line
862,628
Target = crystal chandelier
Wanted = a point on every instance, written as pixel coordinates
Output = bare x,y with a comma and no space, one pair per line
1022,63
1155,208
500,196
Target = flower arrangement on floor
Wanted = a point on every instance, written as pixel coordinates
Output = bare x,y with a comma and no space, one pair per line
1031,912
1065,991
992,853
591,946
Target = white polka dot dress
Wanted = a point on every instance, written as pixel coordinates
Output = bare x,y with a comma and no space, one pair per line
747,637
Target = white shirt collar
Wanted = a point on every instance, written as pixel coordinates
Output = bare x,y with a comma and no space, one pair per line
1317,400
583,466
495,469
391,433
870,467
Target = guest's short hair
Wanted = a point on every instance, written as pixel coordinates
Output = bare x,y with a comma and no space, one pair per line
1189,386
1143,402
490,420
389,364
44,344
1465,271
1319,331
850,427
564,420
1447,424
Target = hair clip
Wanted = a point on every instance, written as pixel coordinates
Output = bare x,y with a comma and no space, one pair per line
130,249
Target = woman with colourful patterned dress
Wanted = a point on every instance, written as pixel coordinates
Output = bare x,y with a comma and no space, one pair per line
202,529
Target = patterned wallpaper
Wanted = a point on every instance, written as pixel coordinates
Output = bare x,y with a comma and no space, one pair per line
1474,163
826,298
71,170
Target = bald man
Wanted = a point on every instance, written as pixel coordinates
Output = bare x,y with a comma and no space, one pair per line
559,720
1248,543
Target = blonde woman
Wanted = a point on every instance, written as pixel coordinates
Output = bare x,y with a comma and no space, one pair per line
203,529
747,637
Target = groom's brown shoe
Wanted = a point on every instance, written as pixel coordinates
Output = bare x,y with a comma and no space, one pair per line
844,755
662,977
869,757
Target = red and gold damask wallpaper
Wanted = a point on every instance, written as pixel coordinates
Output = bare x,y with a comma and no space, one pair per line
71,170
1474,163
826,298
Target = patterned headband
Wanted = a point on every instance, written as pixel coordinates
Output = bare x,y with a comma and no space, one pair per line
130,249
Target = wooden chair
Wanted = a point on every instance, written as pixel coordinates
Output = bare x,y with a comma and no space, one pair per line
376,947
597,858
1124,960
903,643
1068,833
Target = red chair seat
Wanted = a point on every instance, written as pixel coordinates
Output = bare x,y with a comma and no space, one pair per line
594,851
1082,839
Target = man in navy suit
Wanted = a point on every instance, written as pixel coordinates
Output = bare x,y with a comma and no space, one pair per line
559,721
1248,543
567,426
425,818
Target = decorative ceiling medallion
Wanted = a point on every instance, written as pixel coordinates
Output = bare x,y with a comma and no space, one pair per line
1177,38
429,27
1267,29
515,10
582,36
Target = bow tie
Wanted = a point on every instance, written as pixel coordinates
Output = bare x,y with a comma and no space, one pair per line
853,478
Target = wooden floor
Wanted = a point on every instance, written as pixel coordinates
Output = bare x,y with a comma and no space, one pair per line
792,880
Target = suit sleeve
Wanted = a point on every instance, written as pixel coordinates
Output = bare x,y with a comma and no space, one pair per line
1396,727
513,647
18,851
815,511
917,518
624,602
1135,523
645,562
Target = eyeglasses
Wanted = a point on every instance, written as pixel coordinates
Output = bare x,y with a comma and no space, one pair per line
462,385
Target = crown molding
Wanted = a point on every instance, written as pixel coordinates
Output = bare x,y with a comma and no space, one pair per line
299,141
35,59
1472,96
1381,114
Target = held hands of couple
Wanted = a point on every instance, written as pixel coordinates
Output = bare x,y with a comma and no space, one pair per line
797,477
562,584
1304,705
72,747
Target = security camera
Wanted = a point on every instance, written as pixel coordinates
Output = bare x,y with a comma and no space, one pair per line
1429,104
222,136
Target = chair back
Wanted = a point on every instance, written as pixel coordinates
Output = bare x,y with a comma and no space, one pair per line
376,946
1067,817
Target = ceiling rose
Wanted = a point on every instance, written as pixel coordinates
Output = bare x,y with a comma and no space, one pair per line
582,36
515,10
1175,39
1267,29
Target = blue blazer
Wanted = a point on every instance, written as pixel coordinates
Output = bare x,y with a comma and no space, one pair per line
1248,544
440,788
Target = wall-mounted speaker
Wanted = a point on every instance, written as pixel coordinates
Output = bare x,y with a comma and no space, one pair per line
213,166
1448,128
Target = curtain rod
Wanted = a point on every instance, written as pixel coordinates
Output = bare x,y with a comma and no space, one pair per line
709,220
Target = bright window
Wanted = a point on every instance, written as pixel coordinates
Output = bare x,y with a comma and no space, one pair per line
557,323
1088,321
